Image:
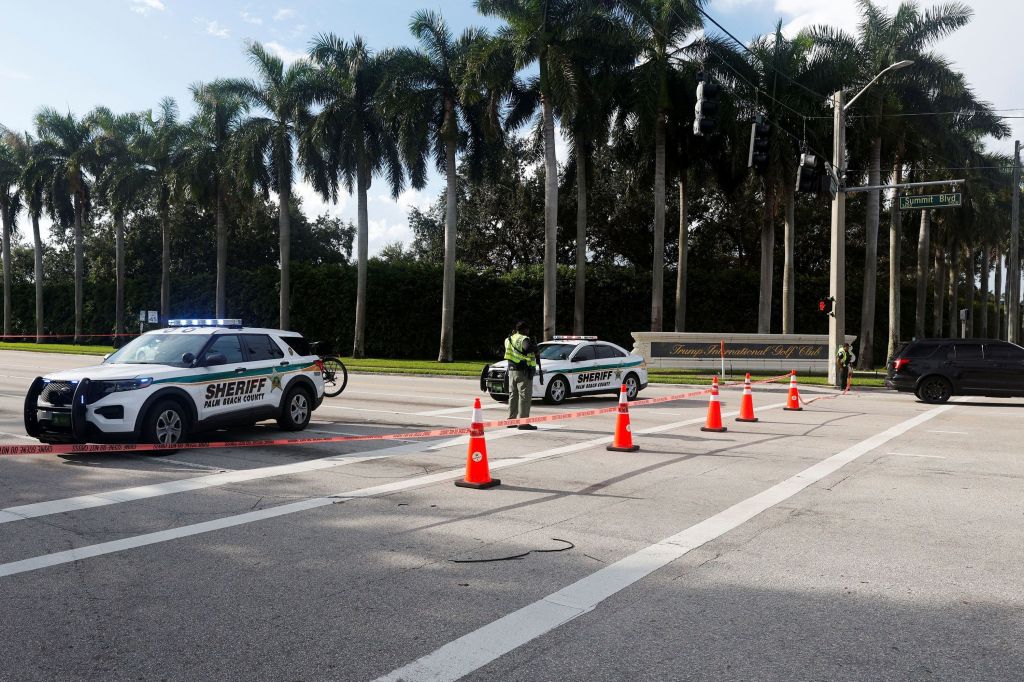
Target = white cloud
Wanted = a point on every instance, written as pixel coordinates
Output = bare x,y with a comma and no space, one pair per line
284,13
799,14
286,55
251,19
216,30
146,6
11,74
382,232
313,205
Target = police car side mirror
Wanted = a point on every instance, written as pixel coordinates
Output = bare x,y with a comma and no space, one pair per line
188,359
214,359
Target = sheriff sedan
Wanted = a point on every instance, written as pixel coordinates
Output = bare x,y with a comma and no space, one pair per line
574,366
195,375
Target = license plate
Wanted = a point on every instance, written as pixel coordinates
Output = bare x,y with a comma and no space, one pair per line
61,419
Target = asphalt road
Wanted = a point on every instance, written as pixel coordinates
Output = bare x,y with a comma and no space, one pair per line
867,537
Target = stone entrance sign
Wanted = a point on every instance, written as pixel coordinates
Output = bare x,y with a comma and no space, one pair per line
743,352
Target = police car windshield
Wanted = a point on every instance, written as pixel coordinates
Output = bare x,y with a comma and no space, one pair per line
556,351
158,349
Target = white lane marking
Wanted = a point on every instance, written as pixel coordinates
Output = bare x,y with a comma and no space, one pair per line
67,556
910,454
956,433
19,435
68,504
478,648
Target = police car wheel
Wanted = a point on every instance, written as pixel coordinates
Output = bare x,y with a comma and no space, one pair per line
166,424
296,410
500,397
632,386
558,391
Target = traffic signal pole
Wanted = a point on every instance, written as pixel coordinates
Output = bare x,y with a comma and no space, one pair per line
1013,258
837,250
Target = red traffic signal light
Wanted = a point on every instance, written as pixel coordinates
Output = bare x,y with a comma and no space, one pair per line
821,306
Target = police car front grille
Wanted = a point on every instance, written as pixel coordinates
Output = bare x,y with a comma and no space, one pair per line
58,393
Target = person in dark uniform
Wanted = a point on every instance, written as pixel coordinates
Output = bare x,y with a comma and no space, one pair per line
521,354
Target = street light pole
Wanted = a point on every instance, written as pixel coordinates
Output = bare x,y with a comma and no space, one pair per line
1013,276
837,250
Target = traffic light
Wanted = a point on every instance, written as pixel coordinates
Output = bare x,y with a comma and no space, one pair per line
705,111
758,156
827,305
807,174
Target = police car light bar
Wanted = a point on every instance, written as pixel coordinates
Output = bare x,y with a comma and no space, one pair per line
574,338
205,323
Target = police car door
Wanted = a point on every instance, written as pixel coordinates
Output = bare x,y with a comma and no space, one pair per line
610,360
265,359
582,368
220,393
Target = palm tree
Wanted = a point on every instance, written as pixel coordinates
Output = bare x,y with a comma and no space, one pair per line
66,150
660,27
209,169
441,113
11,167
882,40
122,178
351,140
34,187
160,145
264,147
543,32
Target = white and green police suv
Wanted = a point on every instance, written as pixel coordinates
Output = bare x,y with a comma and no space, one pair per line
194,375
574,366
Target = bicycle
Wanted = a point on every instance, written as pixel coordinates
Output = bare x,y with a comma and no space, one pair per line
335,373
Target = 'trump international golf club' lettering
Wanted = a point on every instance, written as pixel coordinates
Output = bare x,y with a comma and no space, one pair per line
593,379
234,392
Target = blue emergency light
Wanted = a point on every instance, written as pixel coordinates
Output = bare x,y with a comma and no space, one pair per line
221,322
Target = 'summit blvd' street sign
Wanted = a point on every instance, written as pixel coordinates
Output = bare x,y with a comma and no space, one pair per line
909,201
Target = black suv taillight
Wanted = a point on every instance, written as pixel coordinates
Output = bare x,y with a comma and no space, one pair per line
900,363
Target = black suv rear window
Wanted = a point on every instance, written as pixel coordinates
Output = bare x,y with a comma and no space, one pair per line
298,344
968,351
919,350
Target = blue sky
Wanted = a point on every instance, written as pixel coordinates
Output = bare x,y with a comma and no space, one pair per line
128,54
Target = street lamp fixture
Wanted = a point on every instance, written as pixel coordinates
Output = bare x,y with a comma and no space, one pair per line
837,250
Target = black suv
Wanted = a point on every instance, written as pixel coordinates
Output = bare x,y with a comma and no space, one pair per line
935,369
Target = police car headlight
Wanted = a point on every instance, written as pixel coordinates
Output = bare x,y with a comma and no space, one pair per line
107,387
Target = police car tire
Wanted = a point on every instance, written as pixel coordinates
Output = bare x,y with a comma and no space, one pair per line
548,394
158,412
286,421
636,393
501,398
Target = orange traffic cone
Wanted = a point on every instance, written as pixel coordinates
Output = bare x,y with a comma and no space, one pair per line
478,474
793,399
623,440
747,403
714,420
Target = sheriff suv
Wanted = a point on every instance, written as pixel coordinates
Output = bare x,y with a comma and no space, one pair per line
194,375
935,369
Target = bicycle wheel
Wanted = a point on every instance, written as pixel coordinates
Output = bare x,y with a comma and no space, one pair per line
335,376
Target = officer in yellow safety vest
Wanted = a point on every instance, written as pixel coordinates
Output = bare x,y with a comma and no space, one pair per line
521,352
844,358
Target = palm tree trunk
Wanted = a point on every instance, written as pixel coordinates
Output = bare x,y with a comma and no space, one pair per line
38,244
579,304
954,294
446,352
788,267
865,359
284,221
923,251
986,256
362,249
997,295
895,277
971,276
165,262
658,266
764,304
222,252
680,325
940,290
118,277
79,265
7,218
550,219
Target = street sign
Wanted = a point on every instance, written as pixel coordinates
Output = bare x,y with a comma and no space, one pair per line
912,201
154,316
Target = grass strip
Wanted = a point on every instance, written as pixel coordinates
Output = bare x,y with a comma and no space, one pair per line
56,348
